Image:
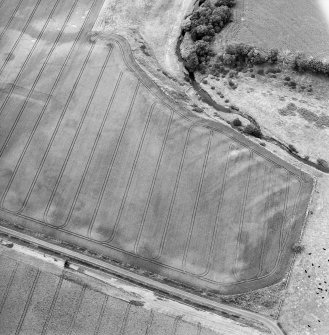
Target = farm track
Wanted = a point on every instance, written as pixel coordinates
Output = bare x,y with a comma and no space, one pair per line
86,264
105,161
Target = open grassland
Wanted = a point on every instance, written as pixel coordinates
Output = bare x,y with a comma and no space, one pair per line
296,25
154,22
93,154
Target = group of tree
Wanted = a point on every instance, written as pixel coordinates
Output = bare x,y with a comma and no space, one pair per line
238,54
207,20
241,54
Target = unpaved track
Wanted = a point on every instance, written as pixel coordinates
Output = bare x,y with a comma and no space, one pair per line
94,154
155,285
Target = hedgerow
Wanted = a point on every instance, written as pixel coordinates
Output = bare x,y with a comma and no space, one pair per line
302,63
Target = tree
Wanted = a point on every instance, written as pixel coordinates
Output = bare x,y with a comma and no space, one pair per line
228,3
192,62
297,248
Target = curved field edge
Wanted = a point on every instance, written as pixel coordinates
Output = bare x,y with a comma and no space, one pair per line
306,181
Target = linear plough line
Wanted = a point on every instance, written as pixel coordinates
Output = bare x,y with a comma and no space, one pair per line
53,135
45,62
10,283
149,323
12,88
270,181
173,197
13,48
48,99
125,319
28,302
175,325
77,133
264,191
52,306
242,213
218,212
150,193
27,100
113,158
76,310
197,199
34,44
199,328
1,3
284,217
91,156
280,248
278,256
101,315
285,238
10,19
132,172
279,253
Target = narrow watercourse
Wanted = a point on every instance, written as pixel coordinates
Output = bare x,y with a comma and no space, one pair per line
206,98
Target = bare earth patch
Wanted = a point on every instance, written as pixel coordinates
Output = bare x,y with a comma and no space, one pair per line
156,22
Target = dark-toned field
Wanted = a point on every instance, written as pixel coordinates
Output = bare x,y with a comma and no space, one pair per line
93,154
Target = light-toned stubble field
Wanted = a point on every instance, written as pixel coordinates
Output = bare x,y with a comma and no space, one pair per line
295,25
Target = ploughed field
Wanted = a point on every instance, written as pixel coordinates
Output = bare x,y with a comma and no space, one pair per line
92,153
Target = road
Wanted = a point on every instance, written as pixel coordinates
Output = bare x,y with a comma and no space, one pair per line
174,292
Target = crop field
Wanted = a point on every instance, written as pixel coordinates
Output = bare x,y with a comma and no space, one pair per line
93,154
296,25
